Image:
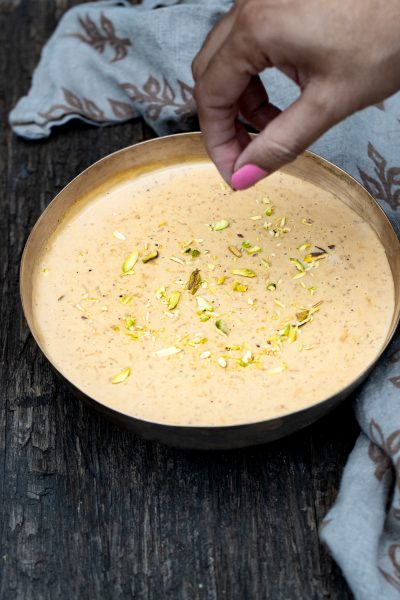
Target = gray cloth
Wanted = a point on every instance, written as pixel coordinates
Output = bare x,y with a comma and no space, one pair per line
108,62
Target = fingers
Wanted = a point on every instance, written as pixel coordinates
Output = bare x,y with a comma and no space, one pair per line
213,42
286,136
218,93
255,106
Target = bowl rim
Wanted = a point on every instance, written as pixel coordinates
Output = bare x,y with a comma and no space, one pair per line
105,408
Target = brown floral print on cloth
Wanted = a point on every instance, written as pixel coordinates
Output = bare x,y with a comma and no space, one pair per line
386,183
74,105
159,94
383,450
122,110
394,557
98,36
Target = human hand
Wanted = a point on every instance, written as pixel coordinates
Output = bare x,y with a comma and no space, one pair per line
344,55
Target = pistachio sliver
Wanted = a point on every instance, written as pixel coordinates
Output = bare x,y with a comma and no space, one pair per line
235,251
243,272
168,351
173,300
254,250
298,264
194,281
122,376
220,225
203,304
150,256
129,322
239,287
222,327
130,261
271,287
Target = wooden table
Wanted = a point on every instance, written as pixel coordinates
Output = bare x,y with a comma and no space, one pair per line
91,511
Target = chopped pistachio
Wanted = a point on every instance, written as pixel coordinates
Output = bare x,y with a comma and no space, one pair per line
312,290
239,287
205,316
45,271
254,250
304,246
168,351
162,223
130,261
298,264
292,337
205,354
243,272
177,260
220,225
268,211
246,359
122,376
246,244
125,299
119,235
285,331
222,362
221,326
203,304
194,281
271,287
129,322
221,280
195,253
173,300
309,258
279,303
160,293
150,256
265,263
235,251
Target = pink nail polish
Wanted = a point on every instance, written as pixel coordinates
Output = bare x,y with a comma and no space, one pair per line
247,176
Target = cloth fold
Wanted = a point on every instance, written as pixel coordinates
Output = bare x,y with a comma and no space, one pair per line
108,62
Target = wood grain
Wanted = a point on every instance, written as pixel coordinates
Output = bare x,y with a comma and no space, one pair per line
89,510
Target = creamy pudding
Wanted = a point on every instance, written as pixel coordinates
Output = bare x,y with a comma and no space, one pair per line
171,298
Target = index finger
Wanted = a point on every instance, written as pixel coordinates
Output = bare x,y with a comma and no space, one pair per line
217,92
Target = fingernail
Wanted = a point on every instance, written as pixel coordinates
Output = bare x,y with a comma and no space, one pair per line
247,176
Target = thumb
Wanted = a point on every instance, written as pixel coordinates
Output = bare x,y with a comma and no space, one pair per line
285,137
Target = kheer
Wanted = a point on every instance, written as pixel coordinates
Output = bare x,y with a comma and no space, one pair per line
171,298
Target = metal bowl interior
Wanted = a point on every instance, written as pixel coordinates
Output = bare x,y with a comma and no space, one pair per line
186,148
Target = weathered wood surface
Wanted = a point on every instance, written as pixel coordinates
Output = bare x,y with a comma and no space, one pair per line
89,510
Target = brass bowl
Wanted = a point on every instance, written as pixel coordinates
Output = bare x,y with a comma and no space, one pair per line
186,148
